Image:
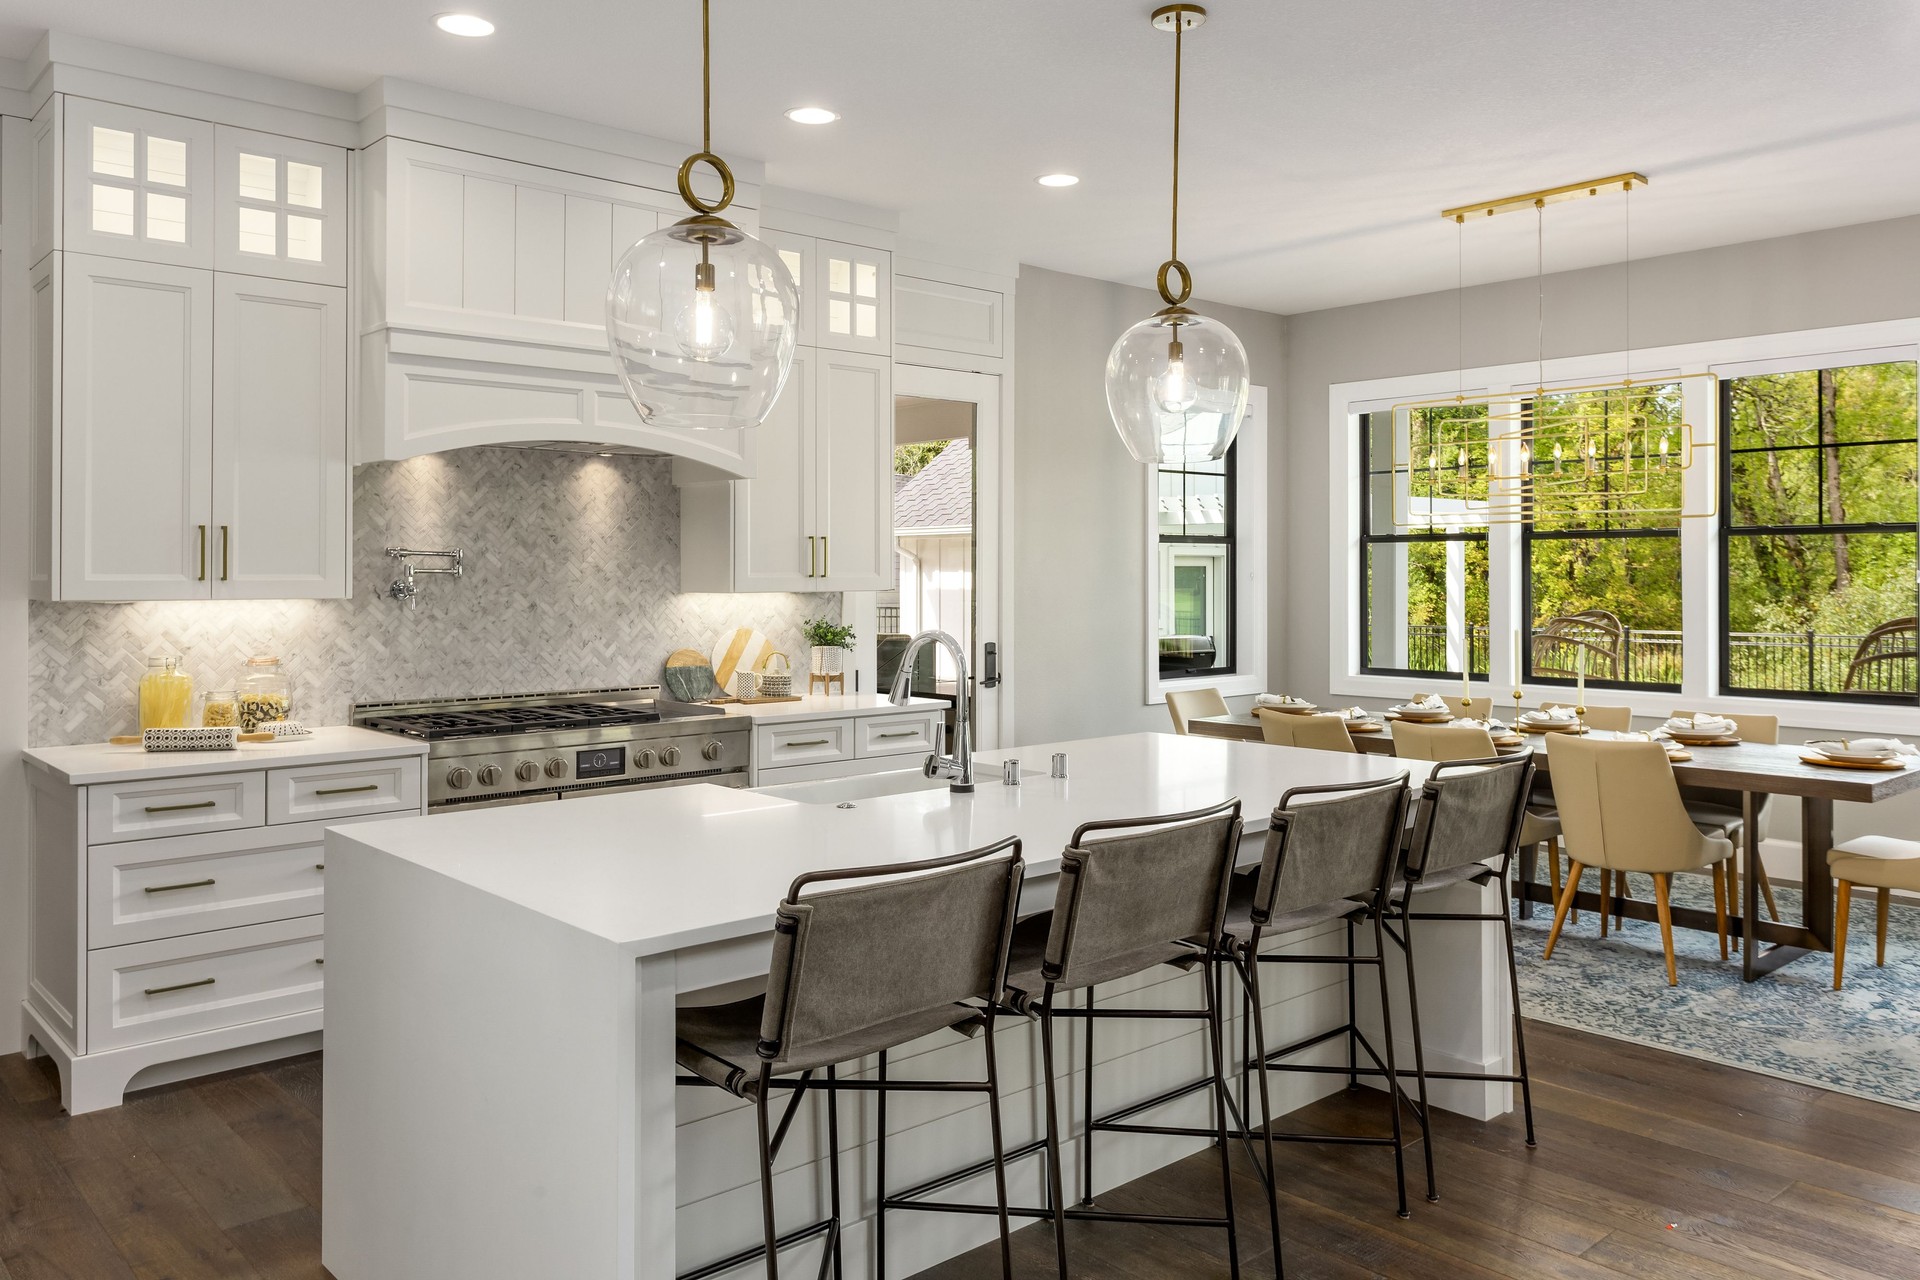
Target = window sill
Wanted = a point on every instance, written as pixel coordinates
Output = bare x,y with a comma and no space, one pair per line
1242,685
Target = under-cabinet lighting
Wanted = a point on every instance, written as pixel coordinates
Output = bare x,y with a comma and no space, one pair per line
463,24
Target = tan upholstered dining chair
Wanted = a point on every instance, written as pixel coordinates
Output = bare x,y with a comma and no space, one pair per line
1185,704
1708,807
1454,742
1880,863
1620,810
1319,733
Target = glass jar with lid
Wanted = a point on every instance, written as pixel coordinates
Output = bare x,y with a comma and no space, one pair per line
264,694
219,708
166,694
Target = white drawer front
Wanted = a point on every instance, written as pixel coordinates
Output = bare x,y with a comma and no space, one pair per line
139,891
153,990
334,791
777,745
175,806
916,734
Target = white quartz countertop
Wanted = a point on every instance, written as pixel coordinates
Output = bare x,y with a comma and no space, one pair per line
104,762
822,706
661,870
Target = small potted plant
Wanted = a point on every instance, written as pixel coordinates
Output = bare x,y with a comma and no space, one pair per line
828,643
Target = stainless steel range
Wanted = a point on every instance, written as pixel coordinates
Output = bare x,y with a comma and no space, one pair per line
553,746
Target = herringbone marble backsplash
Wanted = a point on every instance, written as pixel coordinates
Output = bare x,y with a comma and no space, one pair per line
571,582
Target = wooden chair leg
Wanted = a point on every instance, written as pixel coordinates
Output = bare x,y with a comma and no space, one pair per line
1560,909
1719,902
1661,883
1766,888
1842,908
1606,902
1880,928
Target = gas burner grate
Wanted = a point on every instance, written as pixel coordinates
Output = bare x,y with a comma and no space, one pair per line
433,726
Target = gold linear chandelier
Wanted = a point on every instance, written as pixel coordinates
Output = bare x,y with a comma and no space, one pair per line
1619,447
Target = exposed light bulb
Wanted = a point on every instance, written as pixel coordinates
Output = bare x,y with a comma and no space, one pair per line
1173,390
1556,457
704,329
1526,455
1663,450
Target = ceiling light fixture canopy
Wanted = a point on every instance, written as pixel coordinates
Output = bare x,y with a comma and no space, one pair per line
701,316
1177,382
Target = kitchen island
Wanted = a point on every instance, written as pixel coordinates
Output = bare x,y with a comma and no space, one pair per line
500,1097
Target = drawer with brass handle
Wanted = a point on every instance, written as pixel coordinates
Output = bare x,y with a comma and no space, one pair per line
175,806
303,793
147,991
778,743
899,735
188,884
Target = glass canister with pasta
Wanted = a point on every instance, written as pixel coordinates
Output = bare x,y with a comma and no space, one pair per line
265,694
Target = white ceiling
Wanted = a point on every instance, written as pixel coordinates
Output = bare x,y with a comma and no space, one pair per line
1323,136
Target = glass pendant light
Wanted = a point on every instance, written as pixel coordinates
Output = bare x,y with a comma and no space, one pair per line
701,316
1177,381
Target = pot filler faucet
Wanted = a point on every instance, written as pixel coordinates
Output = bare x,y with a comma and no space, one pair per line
959,765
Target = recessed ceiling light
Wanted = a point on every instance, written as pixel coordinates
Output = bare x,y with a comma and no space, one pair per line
463,24
812,115
1058,180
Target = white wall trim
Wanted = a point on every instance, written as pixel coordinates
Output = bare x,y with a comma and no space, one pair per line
1250,588
1799,349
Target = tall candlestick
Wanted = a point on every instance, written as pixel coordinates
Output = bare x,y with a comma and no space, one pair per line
1580,679
1466,683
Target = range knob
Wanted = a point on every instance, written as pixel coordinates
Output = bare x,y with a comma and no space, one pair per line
670,756
490,775
459,777
526,771
643,758
556,768
711,751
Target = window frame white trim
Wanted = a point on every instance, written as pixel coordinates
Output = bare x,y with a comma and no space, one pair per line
1700,539
1250,571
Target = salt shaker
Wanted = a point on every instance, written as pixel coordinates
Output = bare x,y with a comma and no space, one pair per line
1010,773
1059,769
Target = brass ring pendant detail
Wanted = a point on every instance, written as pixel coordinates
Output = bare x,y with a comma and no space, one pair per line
686,182
1171,266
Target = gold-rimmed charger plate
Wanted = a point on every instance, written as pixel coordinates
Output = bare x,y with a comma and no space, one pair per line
1696,740
1366,726
1524,727
1883,766
1419,719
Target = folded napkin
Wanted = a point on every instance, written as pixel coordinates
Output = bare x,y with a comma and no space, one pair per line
1550,715
1701,724
1425,702
1279,700
1885,746
1494,727
1356,713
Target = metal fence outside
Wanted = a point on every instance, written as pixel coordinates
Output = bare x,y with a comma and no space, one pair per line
1764,661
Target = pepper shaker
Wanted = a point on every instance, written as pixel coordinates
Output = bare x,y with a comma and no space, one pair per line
1059,764
1010,773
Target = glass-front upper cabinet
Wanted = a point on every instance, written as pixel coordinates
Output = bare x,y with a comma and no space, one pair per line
281,208
138,184
853,298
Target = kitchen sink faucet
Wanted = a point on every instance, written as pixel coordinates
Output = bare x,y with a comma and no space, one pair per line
959,765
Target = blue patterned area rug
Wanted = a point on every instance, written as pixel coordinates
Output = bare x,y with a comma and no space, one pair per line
1863,1040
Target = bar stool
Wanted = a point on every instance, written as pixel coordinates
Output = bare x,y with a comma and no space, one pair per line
1134,893
1470,818
1332,853
858,971
1471,742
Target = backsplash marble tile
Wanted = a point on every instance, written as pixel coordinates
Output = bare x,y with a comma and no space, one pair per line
571,582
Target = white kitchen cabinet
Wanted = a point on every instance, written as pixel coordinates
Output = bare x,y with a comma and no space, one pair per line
810,741
138,184
280,468
135,429
281,207
817,515
852,297
798,253
197,445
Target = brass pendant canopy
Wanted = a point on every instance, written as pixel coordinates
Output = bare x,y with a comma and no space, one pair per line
701,316
1177,382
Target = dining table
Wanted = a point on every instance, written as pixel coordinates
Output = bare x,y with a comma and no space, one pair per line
1755,770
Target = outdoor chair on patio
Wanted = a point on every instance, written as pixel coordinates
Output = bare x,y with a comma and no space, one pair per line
1886,659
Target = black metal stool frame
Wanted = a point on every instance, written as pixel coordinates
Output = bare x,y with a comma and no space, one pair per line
771,1137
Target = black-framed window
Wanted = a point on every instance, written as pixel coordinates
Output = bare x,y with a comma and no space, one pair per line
1195,567
1600,542
1423,568
1818,532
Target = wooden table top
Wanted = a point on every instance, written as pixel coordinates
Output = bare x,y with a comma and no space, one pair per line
1763,768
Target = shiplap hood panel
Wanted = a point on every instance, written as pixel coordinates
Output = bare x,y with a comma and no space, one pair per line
485,285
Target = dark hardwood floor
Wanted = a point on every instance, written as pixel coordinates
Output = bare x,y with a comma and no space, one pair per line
1649,1165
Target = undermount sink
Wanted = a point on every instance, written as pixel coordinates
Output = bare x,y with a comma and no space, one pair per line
866,787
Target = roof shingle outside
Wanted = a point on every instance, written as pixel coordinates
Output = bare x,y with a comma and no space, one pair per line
940,497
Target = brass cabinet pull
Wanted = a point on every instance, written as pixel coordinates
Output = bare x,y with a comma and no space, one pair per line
178,808
346,791
203,553
903,733
813,742
186,884
813,555
179,986
826,556
224,540
319,866
320,960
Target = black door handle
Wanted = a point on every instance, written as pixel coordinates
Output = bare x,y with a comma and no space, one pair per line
990,666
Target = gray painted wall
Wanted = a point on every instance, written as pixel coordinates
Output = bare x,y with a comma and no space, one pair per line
1081,517
1850,275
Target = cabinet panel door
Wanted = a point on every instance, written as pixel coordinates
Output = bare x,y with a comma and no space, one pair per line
280,207
798,253
855,464
279,441
852,308
138,184
136,430
43,438
775,534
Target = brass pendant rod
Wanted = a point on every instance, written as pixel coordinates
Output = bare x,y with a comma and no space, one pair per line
1179,39
1551,195
706,75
